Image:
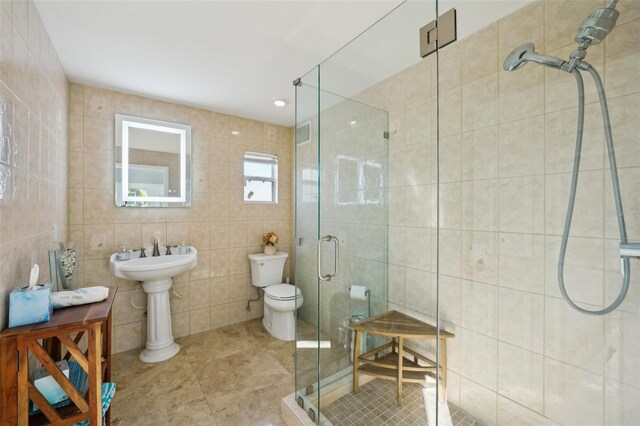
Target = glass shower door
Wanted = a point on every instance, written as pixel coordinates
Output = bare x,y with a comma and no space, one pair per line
353,232
341,227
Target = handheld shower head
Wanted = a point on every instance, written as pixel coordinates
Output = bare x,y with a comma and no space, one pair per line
525,53
516,58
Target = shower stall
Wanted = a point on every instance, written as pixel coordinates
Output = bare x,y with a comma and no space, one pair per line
484,202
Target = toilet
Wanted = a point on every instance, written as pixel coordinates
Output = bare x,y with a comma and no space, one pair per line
280,300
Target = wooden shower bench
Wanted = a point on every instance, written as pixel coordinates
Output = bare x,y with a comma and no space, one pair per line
389,361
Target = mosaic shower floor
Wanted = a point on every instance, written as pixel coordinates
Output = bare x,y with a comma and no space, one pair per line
375,404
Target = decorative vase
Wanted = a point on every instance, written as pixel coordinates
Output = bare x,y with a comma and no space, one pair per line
270,250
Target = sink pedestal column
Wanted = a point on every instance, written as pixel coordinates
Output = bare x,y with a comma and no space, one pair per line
160,344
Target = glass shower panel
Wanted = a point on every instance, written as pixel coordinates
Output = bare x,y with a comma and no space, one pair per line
307,139
522,354
478,174
383,68
369,167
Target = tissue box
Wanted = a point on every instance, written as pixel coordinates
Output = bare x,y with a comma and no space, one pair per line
48,386
30,306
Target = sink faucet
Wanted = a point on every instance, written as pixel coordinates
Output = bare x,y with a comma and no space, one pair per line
156,250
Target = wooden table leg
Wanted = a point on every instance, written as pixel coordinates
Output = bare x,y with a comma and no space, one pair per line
9,380
23,382
106,349
442,381
95,375
356,362
400,358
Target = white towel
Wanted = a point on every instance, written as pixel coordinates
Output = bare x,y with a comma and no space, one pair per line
430,403
81,296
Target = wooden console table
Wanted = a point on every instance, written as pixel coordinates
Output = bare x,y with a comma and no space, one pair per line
389,361
17,343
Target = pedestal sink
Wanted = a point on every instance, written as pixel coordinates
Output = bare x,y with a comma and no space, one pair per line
156,276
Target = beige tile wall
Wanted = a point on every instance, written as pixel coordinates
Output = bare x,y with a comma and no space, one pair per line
33,147
521,355
219,224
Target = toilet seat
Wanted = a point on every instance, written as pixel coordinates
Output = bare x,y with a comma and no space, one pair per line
282,292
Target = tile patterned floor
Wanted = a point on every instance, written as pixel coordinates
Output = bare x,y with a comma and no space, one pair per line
375,404
236,376
232,376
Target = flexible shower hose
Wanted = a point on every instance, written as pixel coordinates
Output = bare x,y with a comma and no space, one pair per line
626,276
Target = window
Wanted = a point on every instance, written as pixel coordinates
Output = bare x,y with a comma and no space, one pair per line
260,178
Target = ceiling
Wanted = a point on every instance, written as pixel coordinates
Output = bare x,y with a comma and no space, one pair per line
235,57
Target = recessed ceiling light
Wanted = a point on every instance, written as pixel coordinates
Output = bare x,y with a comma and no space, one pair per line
279,103
353,122
235,132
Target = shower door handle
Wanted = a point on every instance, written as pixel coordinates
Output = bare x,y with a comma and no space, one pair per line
328,277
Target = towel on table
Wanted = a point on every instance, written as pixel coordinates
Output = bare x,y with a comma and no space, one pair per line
81,296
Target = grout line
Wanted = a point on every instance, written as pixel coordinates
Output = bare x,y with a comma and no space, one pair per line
497,319
604,246
544,224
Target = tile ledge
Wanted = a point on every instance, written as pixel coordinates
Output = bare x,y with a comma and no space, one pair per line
292,414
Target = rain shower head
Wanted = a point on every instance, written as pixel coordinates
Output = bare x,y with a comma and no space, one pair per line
598,25
526,53
592,31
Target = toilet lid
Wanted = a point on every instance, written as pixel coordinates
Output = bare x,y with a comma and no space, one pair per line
282,292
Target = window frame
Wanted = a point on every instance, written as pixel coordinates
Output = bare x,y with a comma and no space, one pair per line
269,159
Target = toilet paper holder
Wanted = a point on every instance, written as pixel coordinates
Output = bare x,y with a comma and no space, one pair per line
357,292
358,287
367,294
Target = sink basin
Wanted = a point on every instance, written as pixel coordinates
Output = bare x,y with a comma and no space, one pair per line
156,276
154,268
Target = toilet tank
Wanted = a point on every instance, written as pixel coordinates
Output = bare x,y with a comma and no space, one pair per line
266,269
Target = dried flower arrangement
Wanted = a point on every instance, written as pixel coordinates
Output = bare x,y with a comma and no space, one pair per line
270,239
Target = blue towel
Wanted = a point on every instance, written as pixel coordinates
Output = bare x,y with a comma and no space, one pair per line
108,391
80,380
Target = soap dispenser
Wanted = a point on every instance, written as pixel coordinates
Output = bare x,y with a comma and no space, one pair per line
123,254
183,248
